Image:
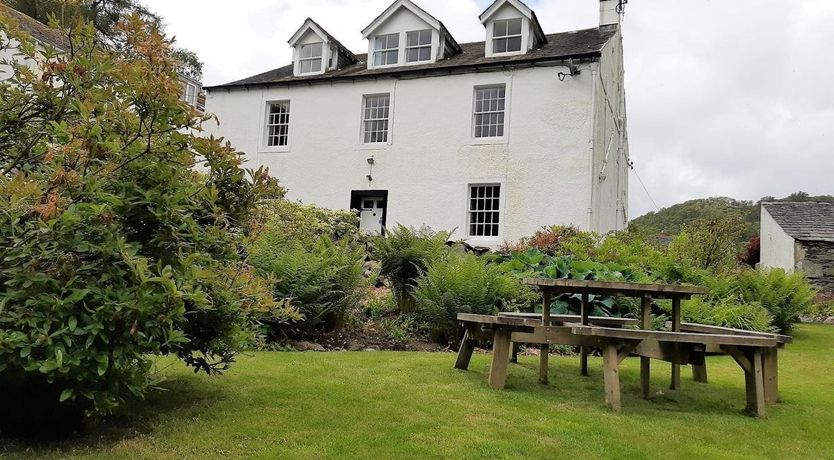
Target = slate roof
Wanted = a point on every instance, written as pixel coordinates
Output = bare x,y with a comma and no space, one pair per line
38,31
586,43
804,221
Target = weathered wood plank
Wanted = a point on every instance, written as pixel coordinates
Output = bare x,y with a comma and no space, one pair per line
708,329
467,347
544,356
611,376
560,335
676,327
664,351
658,291
584,351
740,357
645,362
500,359
771,375
562,319
699,372
754,383
684,337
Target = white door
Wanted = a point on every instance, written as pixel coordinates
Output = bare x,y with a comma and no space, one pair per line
370,215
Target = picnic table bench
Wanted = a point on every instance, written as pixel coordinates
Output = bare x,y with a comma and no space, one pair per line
617,338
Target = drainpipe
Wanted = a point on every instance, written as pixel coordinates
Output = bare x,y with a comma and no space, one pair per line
591,145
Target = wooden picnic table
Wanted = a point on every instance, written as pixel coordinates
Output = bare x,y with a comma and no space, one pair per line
617,338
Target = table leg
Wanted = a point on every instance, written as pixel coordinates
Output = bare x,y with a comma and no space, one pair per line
645,363
770,368
676,327
583,360
699,367
500,359
754,384
544,356
514,356
467,346
611,376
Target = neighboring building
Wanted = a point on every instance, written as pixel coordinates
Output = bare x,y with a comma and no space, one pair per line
493,139
800,236
44,35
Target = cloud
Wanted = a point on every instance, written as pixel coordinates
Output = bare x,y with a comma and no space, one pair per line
725,97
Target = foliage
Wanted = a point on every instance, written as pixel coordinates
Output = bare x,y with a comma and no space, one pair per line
320,278
462,283
710,244
785,296
294,221
555,240
752,254
404,253
112,249
728,312
822,308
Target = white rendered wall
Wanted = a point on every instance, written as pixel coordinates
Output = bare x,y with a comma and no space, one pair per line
777,247
542,163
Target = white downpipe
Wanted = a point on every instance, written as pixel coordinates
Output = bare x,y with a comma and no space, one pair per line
591,142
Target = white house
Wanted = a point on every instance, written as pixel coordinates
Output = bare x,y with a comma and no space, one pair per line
493,139
799,236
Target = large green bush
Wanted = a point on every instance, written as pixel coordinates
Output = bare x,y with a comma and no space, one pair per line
322,279
785,296
404,253
462,283
293,221
112,249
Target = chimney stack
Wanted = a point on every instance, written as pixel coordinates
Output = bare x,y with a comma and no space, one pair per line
610,11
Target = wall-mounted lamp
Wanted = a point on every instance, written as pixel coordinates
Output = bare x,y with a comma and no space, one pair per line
370,178
573,70
370,160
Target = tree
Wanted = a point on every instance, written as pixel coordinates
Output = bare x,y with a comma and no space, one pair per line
113,249
105,16
710,244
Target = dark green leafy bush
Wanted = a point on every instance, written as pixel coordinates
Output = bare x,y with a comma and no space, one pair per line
404,253
112,248
785,296
462,284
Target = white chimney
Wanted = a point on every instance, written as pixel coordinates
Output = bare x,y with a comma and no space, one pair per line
609,11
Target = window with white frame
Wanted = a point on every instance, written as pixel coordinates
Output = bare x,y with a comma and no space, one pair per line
375,112
418,46
386,49
310,58
506,35
484,209
489,111
189,93
278,124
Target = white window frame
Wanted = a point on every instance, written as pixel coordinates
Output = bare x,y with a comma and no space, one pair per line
507,37
312,59
419,46
192,98
366,120
500,210
266,125
475,113
395,49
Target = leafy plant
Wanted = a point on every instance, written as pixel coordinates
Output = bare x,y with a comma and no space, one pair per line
462,284
404,253
321,279
785,296
728,312
710,244
112,248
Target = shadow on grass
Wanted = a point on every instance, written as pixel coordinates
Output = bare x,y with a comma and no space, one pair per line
173,399
565,383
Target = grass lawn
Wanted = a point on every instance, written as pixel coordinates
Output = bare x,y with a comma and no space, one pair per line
415,405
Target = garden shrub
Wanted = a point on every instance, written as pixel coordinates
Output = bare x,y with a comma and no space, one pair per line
785,296
727,312
462,284
112,248
822,308
322,279
405,252
295,221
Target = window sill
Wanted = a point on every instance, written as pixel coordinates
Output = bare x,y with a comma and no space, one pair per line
488,141
274,150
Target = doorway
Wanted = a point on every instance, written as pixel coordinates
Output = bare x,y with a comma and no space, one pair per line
372,206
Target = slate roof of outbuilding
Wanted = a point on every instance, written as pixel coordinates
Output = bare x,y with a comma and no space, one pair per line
804,221
584,43
39,31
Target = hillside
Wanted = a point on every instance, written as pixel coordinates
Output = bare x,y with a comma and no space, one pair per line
668,221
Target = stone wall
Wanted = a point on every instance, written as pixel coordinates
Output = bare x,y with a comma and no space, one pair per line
816,259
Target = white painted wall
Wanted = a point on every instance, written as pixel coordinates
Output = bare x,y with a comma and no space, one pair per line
10,53
542,163
777,247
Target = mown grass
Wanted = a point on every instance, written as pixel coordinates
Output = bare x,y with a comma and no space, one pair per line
415,405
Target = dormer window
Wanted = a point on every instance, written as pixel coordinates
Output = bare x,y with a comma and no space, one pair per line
386,49
506,36
310,58
418,46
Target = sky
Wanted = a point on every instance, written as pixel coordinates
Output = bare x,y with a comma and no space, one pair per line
724,97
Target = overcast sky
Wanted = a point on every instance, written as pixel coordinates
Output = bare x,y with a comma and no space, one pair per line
725,97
